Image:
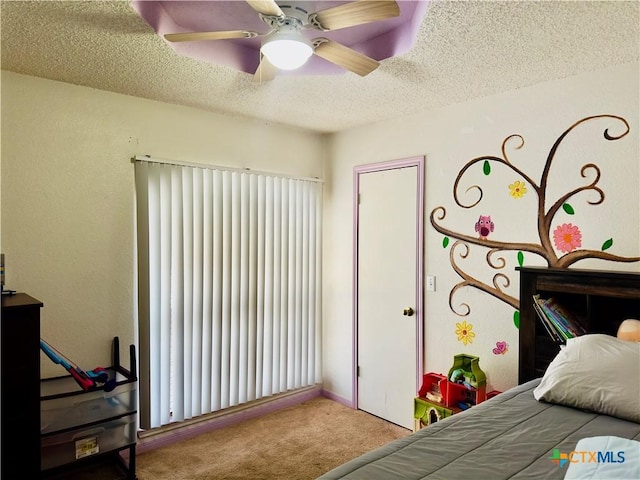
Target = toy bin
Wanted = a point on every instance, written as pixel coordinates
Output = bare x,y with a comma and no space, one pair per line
78,426
68,446
426,413
458,395
60,411
435,385
466,371
493,393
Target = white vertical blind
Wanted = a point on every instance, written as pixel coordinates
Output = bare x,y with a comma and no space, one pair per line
229,288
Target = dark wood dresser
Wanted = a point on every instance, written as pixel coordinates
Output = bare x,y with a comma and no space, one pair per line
20,387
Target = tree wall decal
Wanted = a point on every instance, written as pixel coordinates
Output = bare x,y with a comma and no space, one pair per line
566,236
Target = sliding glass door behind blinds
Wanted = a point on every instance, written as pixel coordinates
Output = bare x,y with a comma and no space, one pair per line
228,288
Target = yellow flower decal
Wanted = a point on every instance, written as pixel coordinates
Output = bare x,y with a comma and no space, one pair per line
517,189
464,333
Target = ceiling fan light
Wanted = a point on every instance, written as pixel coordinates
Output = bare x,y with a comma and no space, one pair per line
287,52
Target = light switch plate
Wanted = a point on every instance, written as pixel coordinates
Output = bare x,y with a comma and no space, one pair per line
431,283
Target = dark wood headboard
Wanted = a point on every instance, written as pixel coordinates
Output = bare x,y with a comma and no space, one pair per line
601,299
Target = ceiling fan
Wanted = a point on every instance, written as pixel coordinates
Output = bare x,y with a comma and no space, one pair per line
285,47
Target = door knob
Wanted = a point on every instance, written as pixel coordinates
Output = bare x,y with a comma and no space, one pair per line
408,312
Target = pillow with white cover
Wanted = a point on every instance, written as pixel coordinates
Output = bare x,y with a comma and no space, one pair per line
595,372
620,459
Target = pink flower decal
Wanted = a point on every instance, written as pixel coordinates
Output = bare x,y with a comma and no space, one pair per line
567,237
501,348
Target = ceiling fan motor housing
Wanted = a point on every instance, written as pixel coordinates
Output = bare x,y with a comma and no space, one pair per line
287,48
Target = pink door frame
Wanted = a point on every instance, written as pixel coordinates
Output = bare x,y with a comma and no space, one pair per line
419,310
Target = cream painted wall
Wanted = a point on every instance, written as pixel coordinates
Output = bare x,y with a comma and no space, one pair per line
449,137
67,199
68,196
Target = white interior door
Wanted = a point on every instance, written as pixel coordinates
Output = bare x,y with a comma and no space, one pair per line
388,269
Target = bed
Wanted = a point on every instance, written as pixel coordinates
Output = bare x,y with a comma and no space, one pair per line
580,420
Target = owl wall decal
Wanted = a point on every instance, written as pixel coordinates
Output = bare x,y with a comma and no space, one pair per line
484,226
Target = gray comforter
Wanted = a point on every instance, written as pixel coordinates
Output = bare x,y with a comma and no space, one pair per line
510,436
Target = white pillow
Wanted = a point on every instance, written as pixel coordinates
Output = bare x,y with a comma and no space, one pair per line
617,459
595,372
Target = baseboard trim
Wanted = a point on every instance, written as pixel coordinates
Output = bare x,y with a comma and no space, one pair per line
337,398
164,436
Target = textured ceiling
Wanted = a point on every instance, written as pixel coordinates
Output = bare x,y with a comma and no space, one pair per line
464,50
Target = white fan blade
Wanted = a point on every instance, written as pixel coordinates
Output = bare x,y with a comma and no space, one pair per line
192,36
266,7
356,13
346,57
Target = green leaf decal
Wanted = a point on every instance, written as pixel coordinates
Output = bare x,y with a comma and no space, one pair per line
568,208
606,245
486,167
445,242
516,319
520,258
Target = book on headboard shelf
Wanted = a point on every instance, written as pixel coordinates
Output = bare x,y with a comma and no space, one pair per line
546,321
599,299
560,323
565,317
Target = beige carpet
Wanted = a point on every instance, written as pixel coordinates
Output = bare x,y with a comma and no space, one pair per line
297,443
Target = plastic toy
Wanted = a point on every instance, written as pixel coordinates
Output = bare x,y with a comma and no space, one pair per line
97,377
441,396
465,375
433,387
